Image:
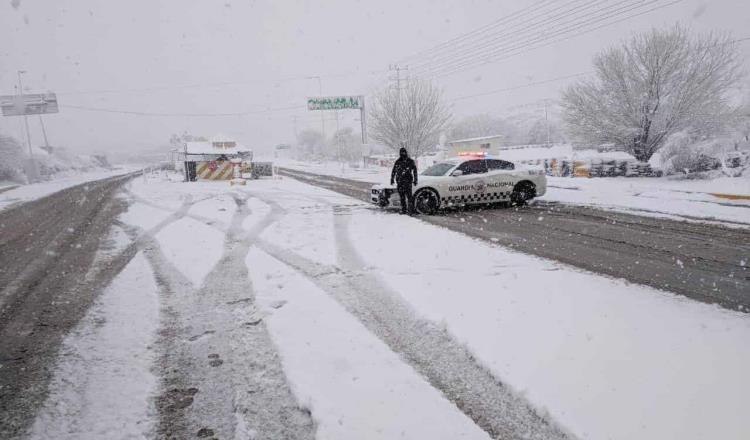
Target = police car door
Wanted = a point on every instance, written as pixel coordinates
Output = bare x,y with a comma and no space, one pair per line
469,186
500,179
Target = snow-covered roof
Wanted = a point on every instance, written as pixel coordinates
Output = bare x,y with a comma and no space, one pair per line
208,148
476,139
221,138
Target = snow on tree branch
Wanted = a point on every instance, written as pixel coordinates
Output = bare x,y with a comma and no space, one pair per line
655,85
414,116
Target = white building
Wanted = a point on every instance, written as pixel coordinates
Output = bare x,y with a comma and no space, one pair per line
487,144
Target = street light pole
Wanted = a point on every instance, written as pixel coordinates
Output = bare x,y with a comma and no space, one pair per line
32,164
25,118
546,121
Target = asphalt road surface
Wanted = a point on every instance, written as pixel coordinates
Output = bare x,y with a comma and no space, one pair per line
47,250
700,261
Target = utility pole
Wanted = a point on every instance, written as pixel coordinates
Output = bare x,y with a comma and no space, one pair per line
337,139
546,121
398,69
320,93
294,120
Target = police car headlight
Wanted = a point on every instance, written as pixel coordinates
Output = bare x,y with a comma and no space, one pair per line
539,172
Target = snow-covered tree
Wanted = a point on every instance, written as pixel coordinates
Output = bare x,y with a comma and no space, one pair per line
655,85
742,122
413,116
345,145
311,144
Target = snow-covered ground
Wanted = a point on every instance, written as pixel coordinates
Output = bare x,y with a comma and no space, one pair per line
600,357
25,193
703,200
104,384
694,200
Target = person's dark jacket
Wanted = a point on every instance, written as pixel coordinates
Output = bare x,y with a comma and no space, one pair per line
404,172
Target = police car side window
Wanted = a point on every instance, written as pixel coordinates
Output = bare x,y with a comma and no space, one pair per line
473,167
495,164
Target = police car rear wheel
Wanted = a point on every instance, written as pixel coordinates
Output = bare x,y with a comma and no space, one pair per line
522,192
426,201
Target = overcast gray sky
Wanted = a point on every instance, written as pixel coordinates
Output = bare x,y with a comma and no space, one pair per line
187,56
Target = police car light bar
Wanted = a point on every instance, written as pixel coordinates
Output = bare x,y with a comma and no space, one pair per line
473,153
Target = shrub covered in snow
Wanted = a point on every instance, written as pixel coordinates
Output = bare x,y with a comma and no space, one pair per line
684,154
11,160
48,161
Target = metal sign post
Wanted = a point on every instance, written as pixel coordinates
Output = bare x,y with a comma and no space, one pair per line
24,105
356,102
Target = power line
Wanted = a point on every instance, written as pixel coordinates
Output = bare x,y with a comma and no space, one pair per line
507,33
467,51
522,86
468,35
472,60
547,81
215,85
140,113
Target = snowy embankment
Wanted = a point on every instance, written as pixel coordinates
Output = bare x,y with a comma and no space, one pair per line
712,200
725,200
599,357
26,193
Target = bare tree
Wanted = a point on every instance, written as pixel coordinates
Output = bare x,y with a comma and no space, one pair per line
651,87
413,116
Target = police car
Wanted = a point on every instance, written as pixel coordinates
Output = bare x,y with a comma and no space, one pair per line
471,178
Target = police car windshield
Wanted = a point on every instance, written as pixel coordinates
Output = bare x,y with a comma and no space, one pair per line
439,169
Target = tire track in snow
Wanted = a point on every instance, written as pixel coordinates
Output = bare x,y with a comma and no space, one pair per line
430,350
205,220
221,372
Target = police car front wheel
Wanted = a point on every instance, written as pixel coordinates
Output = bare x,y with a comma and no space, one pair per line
426,201
522,192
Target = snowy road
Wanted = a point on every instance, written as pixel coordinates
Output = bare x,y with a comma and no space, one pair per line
705,262
282,310
49,277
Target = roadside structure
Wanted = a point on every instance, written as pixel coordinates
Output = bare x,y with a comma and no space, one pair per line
487,144
211,160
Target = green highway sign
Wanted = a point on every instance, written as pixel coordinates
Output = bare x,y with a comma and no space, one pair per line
335,102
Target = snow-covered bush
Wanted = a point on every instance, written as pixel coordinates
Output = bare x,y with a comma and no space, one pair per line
11,160
682,153
60,159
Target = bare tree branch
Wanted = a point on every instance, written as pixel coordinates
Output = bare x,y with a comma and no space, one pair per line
413,116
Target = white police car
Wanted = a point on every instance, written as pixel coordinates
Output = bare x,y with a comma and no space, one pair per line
467,180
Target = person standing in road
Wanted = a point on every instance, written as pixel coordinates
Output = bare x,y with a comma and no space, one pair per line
405,174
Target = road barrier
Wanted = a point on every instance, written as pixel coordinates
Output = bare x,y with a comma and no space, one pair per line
215,170
593,168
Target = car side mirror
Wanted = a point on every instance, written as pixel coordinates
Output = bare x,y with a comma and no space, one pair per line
457,173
